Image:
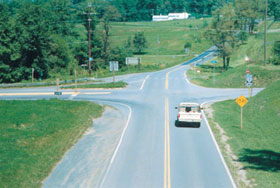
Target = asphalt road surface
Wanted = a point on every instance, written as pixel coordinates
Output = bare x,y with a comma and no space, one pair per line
145,148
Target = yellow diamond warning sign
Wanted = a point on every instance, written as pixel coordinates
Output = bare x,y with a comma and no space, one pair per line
241,101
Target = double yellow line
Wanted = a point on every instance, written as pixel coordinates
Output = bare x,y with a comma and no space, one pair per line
167,76
167,180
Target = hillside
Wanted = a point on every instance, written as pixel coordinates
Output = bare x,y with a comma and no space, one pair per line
165,39
235,76
257,144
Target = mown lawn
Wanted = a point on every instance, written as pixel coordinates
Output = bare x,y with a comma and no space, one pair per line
120,84
257,145
36,134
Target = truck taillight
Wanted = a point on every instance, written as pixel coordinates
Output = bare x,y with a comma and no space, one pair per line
200,116
178,116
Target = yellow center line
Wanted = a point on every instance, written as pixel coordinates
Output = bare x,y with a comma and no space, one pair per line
166,80
167,75
167,179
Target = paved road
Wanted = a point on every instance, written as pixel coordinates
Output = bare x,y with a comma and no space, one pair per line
151,151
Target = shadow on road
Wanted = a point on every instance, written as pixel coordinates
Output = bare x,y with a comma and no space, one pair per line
186,125
265,160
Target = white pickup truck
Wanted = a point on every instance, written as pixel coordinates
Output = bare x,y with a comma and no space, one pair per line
189,114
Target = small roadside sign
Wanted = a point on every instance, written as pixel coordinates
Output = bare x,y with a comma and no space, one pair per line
132,60
241,101
214,62
249,80
114,66
57,93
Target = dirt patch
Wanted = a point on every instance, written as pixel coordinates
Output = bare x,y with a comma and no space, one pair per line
241,174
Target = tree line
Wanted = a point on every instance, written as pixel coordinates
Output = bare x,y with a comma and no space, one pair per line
50,37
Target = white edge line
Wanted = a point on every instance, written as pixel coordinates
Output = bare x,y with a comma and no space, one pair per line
144,82
217,146
120,141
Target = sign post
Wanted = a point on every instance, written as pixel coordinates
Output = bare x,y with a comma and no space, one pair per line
114,66
241,101
32,74
57,92
76,87
249,82
214,63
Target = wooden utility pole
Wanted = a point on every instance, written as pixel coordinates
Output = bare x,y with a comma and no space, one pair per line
89,40
266,4
32,70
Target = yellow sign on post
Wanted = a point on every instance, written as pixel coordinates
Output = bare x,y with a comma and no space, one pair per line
241,101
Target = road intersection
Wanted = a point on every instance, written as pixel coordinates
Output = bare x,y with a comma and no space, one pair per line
150,150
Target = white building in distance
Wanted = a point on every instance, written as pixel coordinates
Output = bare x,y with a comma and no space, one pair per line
171,16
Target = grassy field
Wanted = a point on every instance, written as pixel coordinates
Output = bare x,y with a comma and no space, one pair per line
235,76
120,84
257,144
36,134
172,35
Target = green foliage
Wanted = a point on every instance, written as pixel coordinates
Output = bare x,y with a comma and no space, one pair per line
36,134
120,84
139,42
243,36
142,10
224,31
188,45
276,52
274,9
249,11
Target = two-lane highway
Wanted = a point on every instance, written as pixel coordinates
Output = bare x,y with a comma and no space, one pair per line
152,151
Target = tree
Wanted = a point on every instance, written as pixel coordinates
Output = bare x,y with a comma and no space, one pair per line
139,42
274,9
110,14
249,11
223,32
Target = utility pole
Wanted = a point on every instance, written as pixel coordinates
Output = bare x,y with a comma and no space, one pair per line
266,4
89,40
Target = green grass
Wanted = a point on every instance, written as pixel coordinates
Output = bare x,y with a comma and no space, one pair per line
257,144
119,84
172,35
36,134
235,76
275,25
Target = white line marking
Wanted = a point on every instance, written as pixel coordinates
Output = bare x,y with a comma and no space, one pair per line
144,82
218,149
120,141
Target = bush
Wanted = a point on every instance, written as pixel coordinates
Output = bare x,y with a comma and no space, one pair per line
188,45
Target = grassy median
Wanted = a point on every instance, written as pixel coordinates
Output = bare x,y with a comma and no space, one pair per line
110,85
36,134
257,145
